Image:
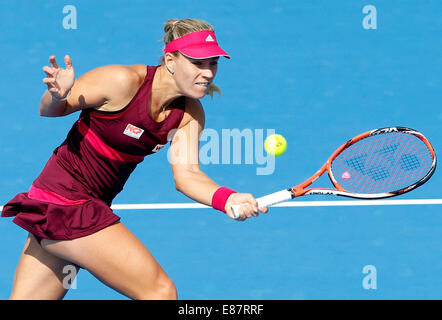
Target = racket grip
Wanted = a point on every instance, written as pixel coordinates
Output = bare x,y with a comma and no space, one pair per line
267,200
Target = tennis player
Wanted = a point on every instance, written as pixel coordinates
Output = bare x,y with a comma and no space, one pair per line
127,113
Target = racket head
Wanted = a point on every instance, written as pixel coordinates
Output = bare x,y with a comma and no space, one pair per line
382,163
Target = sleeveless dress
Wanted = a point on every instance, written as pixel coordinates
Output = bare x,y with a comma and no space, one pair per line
71,197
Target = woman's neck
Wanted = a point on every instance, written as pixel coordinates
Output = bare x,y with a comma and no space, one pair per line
164,90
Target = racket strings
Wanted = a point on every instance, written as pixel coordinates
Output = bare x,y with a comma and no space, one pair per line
382,163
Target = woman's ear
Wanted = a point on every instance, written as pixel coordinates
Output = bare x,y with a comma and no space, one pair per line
169,62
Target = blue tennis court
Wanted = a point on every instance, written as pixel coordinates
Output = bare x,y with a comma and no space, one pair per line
317,72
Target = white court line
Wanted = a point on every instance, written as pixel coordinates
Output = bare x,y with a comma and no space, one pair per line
162,206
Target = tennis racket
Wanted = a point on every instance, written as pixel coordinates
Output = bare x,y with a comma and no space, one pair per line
376,164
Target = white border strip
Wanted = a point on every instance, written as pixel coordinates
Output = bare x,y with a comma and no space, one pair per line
345,203
161,206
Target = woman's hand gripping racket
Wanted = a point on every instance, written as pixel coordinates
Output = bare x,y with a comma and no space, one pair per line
376,164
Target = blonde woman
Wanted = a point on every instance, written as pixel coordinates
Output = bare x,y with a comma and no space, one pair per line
126,114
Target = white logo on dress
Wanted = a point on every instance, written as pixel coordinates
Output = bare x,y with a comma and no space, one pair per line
158,147
133,131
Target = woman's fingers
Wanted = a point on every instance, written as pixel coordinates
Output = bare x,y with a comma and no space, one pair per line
68,61
49,81
53,62
59,79
263,209
52,85
248,206
50,72
249,209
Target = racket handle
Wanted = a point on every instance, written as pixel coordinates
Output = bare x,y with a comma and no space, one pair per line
267,200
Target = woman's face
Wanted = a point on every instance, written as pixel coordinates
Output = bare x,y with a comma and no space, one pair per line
193,76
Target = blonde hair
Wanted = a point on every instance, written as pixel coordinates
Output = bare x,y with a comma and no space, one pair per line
175,29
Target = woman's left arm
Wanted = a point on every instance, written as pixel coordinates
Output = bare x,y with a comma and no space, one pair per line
189,179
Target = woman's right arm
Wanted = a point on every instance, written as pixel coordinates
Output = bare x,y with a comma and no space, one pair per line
107,88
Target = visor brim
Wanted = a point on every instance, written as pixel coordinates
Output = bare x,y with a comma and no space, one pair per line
204,53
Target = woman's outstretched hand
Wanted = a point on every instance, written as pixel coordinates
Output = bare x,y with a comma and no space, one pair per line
59,80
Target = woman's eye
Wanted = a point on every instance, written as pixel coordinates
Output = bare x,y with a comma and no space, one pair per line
200,63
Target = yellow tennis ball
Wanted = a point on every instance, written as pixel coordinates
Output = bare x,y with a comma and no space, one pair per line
275,144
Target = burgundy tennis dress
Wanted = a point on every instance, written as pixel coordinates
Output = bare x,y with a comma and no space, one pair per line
71,198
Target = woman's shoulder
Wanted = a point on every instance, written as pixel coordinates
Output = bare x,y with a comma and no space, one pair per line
193,110
118,82
140,70
127,74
